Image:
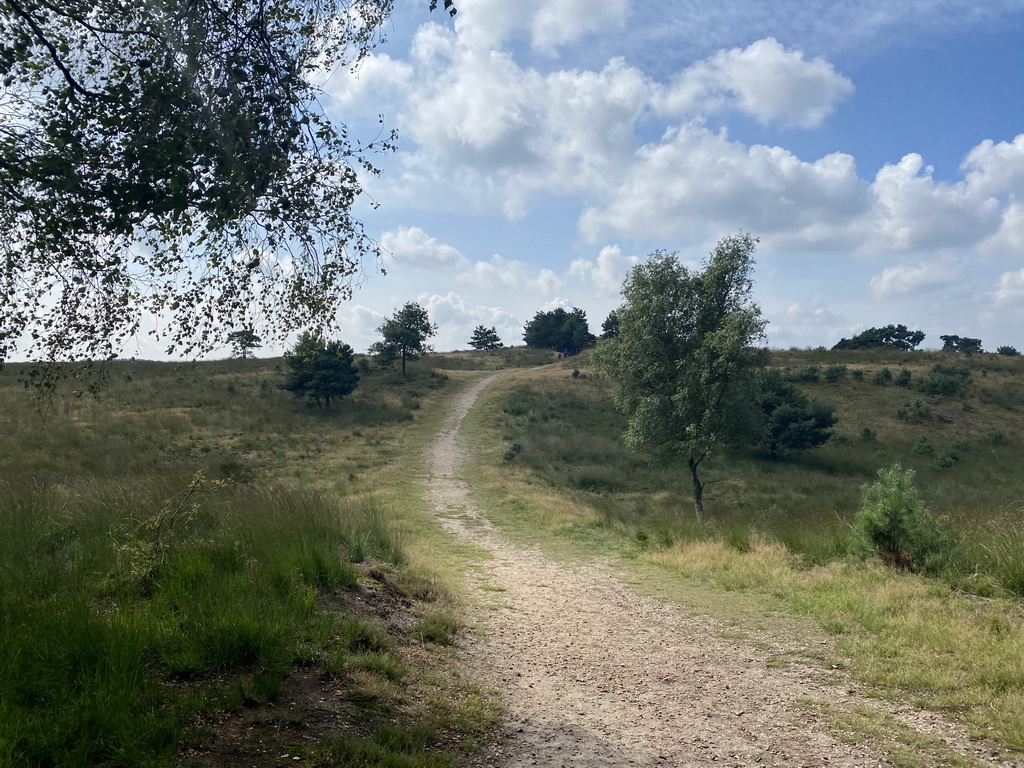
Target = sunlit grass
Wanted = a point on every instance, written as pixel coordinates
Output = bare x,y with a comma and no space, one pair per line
900,631
777,537
135,595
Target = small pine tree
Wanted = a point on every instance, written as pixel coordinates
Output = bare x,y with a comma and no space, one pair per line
320,371
405,335
793,422
485,339
894,523
244,342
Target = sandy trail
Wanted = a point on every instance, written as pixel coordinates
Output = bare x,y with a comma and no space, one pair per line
592,675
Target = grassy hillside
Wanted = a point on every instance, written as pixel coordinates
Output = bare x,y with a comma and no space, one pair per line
190,556
779,532
966,448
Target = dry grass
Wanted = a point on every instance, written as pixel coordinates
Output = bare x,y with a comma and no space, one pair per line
779,531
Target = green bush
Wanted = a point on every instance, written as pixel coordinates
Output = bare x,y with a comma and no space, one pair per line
915,412
835,372
883,376
811,374
923,447
894,524
995,436
945,380
903,378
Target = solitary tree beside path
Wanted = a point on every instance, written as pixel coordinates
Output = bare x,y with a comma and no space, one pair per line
405,335
682,358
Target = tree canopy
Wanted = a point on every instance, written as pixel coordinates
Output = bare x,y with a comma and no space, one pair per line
793,422
485,338
320,370
404,335
244,342
891,336
171,158
962,344
565,331
682,359
610,326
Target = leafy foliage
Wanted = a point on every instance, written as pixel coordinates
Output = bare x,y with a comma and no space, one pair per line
171,158
964,345
793,422
891,336
1008,351
244,342
485,338
610,326
944,380
320,370
894,523
682,358
405,334
558,329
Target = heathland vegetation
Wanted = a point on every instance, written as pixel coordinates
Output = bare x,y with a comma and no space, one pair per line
198,546
936,617
194,553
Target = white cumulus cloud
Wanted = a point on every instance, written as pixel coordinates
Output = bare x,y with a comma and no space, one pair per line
1010,288
919,280
412,247
764,80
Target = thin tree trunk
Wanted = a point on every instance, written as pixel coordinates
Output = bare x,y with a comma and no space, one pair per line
698,489
403,363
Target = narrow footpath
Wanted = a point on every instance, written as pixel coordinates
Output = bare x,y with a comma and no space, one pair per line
592,675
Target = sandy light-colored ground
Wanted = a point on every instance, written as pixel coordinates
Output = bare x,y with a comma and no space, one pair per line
593,675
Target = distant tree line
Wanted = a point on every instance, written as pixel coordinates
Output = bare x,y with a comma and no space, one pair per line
902,338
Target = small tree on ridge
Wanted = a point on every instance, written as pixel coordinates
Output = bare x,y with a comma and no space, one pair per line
485,338
405,335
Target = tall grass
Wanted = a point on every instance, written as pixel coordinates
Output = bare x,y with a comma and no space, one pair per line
110,591
563,429
175,546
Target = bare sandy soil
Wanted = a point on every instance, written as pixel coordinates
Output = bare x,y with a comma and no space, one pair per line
593,675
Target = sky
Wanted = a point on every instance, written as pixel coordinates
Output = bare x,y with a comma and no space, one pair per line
876,149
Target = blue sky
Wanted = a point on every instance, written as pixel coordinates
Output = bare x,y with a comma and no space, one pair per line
546,146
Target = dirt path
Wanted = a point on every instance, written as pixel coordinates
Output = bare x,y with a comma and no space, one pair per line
593,675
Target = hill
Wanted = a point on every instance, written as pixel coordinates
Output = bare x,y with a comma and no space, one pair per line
957,421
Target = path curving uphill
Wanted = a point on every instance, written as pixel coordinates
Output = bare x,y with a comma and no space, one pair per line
591,675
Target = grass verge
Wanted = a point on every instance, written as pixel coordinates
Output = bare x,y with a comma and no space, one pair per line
556,474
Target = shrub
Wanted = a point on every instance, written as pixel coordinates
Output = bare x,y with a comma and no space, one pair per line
894,523
923,447
903,378
916,411
1008,351
867,434
945,380
811,374
883,376
960,445
995,436
836,372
